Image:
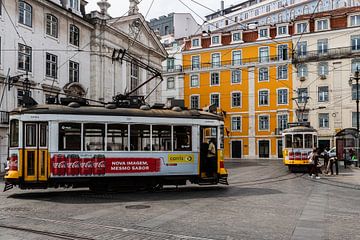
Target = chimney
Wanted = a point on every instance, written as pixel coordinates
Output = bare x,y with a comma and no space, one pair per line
222,7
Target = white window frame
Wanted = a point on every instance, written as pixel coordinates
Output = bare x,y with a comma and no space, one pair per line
317,21
52,62
211,73
192,46
357,17
238,61
321,98
260,29
268,54
216,64
198,80
282,34
232,74
321,123
278,77
195,95
306,25
26,13
240,123
278,122
173,82
356,47
268,117
211,38
199,63
278,95
268,77
268,97
73,70
53,23
241,37
215,93
232,102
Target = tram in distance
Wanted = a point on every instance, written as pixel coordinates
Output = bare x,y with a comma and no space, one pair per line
299,141
100,148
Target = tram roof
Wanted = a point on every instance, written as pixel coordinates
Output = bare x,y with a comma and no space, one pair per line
299,129
102,111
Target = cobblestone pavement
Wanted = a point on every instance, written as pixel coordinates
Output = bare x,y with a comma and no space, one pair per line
263,201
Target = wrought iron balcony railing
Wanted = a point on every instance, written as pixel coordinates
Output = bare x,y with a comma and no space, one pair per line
333,53
4,117
176,68
236,63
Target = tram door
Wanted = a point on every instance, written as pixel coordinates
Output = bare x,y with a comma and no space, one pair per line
208,159
35,152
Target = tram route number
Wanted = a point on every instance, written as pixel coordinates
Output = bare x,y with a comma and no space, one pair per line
181,158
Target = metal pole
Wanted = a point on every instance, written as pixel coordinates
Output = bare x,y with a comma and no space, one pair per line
357,111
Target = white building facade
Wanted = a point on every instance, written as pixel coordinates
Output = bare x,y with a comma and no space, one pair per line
327,53
48,41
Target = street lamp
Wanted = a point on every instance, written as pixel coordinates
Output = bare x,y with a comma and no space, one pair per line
356,78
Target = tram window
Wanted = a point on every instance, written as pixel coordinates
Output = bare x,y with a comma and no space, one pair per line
117,137
69,136
288,141
140,137
315,141
30,139
298,141
14,133
308,141
161,138
43,135
94,134
182,138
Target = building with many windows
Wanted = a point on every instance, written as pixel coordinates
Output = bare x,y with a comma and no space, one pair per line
49,42
327,53
247,75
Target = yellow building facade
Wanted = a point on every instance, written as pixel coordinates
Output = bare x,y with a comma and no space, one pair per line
248,76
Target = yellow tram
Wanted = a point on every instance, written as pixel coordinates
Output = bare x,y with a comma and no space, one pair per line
101,148
299,141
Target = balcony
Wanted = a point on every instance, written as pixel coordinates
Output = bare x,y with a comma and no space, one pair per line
4,117
333,53
237,63
174,69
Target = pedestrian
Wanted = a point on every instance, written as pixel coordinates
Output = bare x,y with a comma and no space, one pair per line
314,161
211,157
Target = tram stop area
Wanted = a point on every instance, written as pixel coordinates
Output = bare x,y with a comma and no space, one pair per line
347,147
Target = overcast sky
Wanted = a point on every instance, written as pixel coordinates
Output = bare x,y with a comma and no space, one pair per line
163,7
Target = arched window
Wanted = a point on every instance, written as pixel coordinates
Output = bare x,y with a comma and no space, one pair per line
280,18
25,13
51,25
306,9
74,35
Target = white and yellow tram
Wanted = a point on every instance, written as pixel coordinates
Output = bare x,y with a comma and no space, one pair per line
299,142
100,148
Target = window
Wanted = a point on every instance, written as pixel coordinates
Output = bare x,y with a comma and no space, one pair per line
323,120
30,135
263,122
161,138
182,138
355,43
74,4
134,76
170,64
69,136
215,99
355,20
282,121
302,70
236,123
195,62
322,46
194,81
282,30
195,102
215,40
117,137
282,96
302,95
323,69
323,94
74,35
20,97
14,133
263,74
235,76
215,60
263,54
264,97
355,65
51,25
94,134
282,72
236,99
195,42
353,92
51,65
236,37
170,84
322,25
25,13
283,52
302,49
301,27
74,70
263,33
354,119
24,58
140,137
236,58
214,78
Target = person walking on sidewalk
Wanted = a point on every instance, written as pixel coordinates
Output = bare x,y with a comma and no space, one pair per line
314,161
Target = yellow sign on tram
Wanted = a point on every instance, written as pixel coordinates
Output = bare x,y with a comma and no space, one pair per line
181,158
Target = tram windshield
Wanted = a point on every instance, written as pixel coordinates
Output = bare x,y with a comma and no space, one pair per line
308,141
298,141
288,141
